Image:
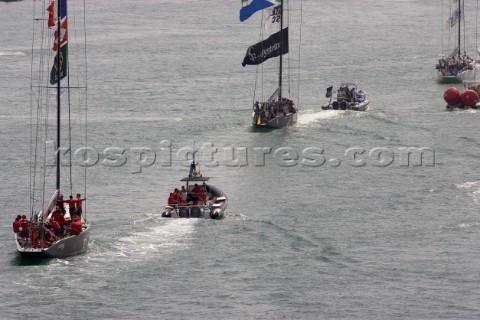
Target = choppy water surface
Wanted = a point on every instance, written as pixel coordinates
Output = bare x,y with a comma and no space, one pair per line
335,240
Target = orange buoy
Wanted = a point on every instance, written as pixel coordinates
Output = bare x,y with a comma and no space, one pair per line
452,96
469,98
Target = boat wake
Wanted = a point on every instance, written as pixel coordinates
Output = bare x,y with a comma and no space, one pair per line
16,53
473,187
309,116
156,235
237,216
461,226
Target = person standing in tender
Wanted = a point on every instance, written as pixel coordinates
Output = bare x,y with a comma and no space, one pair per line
183,194
171,200
196,191
78,205
177,197
196,188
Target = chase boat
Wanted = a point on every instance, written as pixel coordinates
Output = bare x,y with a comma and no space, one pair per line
197,200
348,98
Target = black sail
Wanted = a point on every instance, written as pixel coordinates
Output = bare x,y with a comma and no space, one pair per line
273,46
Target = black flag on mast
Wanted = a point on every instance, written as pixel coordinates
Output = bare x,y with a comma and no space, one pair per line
271,47
329,92
63,59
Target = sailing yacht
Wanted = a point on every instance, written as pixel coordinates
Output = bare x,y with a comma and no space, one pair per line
56,228
458,65
278,110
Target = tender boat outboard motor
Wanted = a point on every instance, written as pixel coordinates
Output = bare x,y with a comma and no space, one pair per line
213,213
168,212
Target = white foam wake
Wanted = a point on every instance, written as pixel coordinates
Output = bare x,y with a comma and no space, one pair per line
306,117
17,53
473,187
158,234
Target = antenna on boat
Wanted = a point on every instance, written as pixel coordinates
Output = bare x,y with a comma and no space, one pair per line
192,165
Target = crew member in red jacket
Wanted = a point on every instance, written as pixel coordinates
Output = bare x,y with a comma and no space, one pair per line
57,229
16,224
171,200
71,205
202,196
76,227
24,226
57,215
196,188
50,236
61,203
177,196
78,204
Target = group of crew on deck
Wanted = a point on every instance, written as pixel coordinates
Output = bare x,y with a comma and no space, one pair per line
453,65
182,197
266,111
40,235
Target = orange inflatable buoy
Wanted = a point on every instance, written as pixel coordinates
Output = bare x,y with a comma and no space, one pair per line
469,98
452,96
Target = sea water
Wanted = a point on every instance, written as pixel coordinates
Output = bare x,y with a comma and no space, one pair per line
328,219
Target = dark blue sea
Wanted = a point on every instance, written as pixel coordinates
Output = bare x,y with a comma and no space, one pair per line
346,215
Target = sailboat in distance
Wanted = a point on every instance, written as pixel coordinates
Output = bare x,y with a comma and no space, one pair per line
56,226
278,110
458,65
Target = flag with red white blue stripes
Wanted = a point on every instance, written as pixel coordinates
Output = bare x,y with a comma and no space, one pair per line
59,21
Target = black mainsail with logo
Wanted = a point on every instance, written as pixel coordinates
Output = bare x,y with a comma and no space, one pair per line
274,46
